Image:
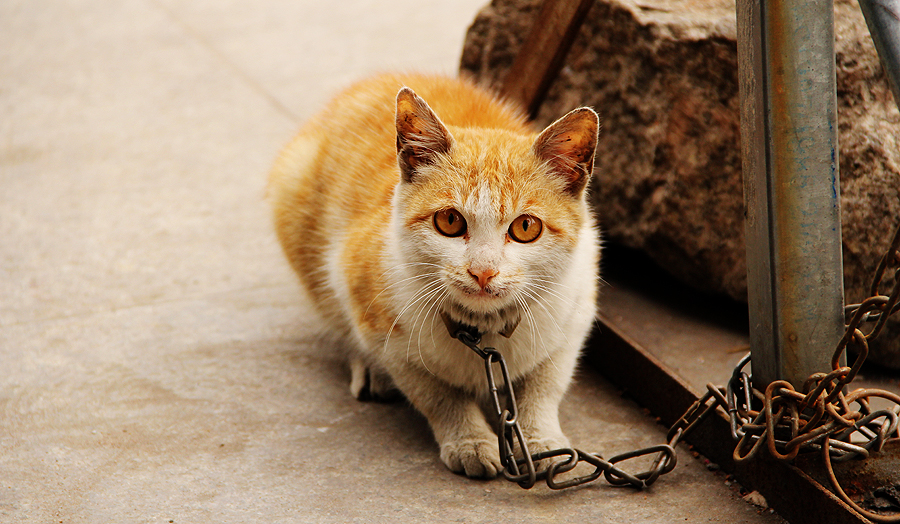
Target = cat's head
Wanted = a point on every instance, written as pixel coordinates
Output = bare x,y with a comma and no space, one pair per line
489,218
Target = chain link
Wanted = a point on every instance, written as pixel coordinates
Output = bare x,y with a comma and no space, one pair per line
524,470
819,417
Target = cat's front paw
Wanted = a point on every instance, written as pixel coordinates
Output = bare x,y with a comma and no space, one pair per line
475,458
539,445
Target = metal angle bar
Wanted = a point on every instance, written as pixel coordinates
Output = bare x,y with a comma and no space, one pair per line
789,153
883,19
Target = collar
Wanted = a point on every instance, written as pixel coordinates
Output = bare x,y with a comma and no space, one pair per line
454,326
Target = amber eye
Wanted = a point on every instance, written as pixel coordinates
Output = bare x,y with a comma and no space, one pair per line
450,222
526,229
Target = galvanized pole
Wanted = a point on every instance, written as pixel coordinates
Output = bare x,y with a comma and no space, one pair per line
883,19
791,187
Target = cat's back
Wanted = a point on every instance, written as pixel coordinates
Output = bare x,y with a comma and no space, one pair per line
354,136
334,181
458,101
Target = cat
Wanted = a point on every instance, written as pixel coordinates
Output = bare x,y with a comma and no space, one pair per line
415,200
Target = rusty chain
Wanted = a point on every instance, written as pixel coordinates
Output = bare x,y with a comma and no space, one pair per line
819,417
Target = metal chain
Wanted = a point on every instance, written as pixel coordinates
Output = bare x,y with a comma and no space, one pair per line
787,421
819,417
524,471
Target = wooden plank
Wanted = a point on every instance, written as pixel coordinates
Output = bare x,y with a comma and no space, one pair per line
542,54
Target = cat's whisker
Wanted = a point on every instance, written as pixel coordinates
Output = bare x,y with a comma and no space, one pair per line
431,313
553,293
537,291
527,308
553,285
432,310
552,316
440,296
398,283
420,301
423,304
549,279
440,306
532,322
433,286
420,295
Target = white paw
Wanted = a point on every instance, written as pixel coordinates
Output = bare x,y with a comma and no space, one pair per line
538,445
475,458
541,444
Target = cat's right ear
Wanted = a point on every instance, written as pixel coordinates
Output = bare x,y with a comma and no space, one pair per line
421,136
568,146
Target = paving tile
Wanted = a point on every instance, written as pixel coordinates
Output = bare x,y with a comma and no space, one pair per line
138,166
301,53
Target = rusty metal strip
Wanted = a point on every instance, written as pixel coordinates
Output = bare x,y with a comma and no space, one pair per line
542,53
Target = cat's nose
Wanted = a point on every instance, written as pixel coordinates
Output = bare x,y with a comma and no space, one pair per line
483,276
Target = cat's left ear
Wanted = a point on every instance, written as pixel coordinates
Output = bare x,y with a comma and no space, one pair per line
568,146
421,136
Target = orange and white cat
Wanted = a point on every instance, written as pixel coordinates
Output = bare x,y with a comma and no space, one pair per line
412,201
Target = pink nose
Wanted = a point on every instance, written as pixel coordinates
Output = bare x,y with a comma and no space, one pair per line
483,276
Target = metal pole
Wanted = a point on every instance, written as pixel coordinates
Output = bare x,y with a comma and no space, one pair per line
883,19
791,187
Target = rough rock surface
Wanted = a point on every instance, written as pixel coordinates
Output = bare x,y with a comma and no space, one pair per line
663,76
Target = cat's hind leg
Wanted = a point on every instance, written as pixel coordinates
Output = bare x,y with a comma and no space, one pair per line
368,382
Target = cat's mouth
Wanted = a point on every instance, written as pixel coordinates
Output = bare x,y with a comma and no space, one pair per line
490,309
501,319
484,294
479,297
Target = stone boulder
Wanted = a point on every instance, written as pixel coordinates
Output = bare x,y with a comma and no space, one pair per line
663,76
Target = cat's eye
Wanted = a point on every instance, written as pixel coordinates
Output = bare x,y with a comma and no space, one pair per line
449,222
526,229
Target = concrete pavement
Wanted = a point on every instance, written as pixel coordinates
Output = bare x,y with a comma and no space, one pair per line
157,361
